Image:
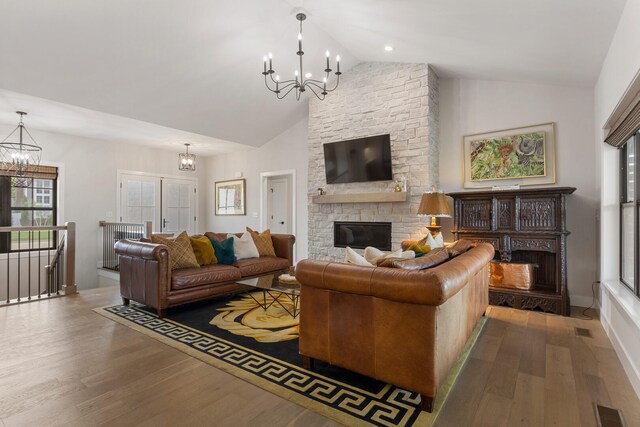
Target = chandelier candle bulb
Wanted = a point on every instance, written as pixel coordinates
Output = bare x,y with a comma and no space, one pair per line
270,64
338,64
264,59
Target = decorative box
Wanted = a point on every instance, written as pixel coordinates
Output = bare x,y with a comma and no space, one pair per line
513,275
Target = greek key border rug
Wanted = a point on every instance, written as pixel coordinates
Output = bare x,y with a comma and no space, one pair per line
345,401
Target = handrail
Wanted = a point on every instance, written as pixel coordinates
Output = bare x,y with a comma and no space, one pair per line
56,255
132,224
33,228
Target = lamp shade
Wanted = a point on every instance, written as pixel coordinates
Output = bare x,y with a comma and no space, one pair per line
434,204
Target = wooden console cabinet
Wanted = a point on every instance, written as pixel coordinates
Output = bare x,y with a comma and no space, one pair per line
523,226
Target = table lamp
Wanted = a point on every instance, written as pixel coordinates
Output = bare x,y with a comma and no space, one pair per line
434,204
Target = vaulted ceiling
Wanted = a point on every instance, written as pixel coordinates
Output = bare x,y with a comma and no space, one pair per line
194,65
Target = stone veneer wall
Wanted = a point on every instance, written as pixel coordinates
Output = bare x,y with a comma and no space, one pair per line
375,98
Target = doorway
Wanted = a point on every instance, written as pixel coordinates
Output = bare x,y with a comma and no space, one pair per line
278,201
170,203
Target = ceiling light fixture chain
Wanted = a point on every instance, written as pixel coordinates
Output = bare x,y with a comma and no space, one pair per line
20,159
302,81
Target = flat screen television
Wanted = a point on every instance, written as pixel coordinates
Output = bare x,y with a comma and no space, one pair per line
358,160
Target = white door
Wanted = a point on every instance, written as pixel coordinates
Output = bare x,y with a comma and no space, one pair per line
278,205
178,206
140,199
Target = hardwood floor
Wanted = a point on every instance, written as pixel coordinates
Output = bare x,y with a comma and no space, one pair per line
63,364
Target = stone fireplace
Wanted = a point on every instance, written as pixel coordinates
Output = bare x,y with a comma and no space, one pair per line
373,99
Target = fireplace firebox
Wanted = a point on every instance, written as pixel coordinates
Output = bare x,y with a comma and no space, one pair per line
359,235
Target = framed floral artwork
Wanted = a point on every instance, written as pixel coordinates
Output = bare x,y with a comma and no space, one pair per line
516,156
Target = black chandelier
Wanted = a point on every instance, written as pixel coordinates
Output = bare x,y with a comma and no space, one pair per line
302,81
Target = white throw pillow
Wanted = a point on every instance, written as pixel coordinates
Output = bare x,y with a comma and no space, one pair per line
244,247
353,257
436,242
373,255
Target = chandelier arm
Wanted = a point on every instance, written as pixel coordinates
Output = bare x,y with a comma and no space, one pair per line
286,93
336,85
12,132
316,93
310,84
266,83
28,133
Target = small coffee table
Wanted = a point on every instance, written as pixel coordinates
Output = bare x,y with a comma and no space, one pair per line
270,285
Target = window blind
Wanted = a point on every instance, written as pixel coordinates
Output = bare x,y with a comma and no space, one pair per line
627,127
38,172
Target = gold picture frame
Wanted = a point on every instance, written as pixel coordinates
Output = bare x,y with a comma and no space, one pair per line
515,156
231,197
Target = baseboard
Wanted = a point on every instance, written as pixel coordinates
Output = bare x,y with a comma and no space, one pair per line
581,301
628,307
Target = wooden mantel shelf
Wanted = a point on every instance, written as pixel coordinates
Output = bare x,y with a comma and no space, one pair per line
387,197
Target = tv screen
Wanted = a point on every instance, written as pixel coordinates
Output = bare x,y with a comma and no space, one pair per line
358,160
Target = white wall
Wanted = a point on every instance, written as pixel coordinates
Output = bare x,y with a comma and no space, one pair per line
620,310
88,186
471,106
286,151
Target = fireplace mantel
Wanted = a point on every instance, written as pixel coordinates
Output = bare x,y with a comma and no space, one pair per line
389,196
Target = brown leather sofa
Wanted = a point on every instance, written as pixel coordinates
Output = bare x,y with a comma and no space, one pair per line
145,275
404,327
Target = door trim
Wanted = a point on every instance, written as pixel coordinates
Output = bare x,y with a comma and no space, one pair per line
160,176
263,198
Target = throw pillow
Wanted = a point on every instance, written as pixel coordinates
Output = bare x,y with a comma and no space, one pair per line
432,259
433,242
224,251
180,251
460,247
375,256
419,249
203,250
243,247
263,242
353,257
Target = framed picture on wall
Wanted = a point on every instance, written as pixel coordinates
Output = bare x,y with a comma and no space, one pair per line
230,197
516,156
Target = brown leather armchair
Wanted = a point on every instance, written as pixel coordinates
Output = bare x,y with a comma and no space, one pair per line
403,327
146,276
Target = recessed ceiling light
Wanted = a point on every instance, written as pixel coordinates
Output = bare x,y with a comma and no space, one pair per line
388,48
308,75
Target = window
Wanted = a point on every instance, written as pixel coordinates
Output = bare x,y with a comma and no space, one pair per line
30,205
629,225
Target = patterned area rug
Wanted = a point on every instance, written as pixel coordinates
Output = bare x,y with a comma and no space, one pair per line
238,336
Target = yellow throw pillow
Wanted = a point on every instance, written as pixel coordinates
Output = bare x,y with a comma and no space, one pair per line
203,250
419,249
263,242
180,251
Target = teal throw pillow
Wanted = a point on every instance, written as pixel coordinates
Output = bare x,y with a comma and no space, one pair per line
224,251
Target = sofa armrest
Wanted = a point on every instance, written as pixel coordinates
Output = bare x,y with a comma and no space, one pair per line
283,246
145,272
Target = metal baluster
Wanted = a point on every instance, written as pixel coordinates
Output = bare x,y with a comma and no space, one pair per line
49,270
39,264
8,256
19,244
29,272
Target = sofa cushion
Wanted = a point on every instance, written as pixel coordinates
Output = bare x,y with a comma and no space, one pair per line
460,247
185,278
224,251
243,247
265,264
180,250
431,259
263,242
203,249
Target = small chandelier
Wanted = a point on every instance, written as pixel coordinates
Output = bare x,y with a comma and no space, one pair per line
187,161
302,81
18,159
